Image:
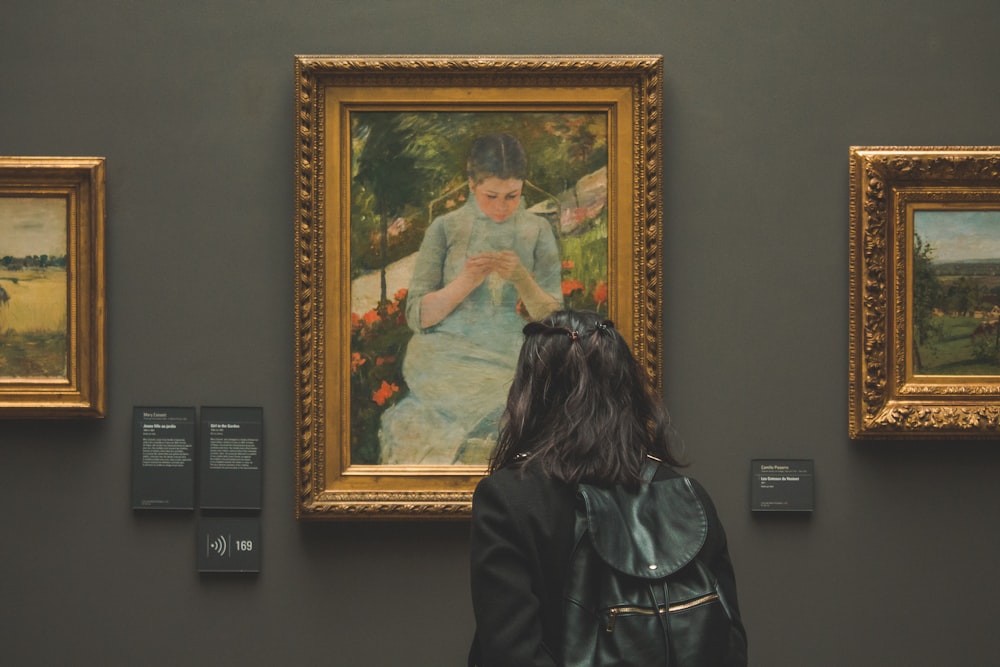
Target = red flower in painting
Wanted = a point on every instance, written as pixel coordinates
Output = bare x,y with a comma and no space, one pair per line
400,294
567,264
600,292
357,361
384,393
570,286
371,317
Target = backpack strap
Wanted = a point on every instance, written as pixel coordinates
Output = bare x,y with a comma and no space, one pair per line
649,468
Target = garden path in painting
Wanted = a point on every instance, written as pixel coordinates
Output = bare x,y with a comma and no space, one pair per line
366,290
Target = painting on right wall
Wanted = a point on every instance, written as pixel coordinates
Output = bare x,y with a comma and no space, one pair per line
925,292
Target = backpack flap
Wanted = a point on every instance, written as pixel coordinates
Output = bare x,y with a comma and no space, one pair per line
649,534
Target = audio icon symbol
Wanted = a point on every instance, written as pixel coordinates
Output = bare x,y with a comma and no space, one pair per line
220,545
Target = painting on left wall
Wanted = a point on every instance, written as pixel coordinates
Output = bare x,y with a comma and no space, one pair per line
52,307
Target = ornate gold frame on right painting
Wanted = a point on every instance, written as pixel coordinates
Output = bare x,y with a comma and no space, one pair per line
925,292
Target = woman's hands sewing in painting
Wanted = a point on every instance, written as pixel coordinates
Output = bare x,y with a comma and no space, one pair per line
437,305
537,302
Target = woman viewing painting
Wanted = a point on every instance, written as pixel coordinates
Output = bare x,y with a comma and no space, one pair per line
481,271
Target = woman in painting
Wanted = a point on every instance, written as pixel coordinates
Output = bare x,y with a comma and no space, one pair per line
480,271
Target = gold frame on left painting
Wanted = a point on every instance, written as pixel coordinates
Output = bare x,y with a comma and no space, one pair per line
54,359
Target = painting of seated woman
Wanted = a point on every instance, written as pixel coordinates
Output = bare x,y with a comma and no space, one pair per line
441,296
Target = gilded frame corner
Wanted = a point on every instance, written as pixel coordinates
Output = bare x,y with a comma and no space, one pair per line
627,90
894,392
76,186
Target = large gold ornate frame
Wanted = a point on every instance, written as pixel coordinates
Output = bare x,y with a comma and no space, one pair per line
888,399
628,89
81,392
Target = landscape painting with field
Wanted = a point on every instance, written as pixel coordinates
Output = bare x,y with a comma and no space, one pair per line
956,292
33,287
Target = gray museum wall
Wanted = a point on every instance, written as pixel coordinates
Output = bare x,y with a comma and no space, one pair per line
191,104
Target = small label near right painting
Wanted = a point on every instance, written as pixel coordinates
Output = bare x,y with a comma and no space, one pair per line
782,485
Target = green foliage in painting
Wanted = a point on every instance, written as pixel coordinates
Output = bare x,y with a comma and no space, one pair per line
927,292
378,342
402,161
955,315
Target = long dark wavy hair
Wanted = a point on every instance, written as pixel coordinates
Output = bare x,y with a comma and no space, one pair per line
580,406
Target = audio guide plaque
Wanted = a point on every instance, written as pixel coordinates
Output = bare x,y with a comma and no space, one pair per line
229,544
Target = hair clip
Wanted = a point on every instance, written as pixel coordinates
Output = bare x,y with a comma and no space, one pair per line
604,326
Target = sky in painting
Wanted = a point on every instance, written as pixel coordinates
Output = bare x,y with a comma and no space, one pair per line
955,236
32,226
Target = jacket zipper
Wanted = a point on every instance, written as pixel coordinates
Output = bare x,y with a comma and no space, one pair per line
615,612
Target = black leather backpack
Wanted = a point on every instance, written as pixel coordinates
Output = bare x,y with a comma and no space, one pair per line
637,593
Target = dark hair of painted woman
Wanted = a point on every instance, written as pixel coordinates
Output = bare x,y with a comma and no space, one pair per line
498,155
